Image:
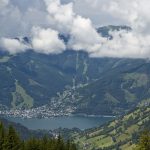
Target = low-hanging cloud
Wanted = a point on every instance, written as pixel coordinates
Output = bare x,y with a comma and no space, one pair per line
13,45
61,18
46,41
134,44
84,36
125,45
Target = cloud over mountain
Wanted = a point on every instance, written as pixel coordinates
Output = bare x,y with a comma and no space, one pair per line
46,21
134,12
46,41
13,45
83,35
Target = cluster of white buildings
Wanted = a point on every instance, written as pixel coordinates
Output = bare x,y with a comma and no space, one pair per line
39,112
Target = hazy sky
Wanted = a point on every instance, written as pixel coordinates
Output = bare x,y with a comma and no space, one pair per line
43,20
34,12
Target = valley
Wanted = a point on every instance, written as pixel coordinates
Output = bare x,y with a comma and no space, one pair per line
74,75
91,86
115,133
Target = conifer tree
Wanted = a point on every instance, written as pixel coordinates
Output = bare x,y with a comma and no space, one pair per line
2,135
32,144
144,142
12,140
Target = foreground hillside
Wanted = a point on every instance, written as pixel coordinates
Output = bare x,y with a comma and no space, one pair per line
23,131
10,140
122,133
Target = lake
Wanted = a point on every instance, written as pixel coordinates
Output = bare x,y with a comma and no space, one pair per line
80,122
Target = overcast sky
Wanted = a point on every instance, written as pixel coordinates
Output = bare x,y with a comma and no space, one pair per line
43,20
34,12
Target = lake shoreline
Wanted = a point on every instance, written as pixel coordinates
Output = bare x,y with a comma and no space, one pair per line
86,115
58,116
70,122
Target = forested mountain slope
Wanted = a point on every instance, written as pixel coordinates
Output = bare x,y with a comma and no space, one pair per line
99,86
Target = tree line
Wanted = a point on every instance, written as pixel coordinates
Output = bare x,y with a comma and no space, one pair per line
10,140
144,141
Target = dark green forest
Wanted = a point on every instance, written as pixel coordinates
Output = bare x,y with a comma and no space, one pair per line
10,140
144,141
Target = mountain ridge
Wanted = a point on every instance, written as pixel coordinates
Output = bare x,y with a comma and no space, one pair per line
73,79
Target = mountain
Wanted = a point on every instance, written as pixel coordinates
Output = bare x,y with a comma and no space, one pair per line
73,81
120,88
121,134
104,31
31,79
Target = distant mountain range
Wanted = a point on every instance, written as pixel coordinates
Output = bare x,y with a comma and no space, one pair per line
99,86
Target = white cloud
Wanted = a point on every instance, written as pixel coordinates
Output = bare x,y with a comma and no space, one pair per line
81,30
16,21
3,3
13,45
46,41
133,12
60,16
53,17
125,45
10,19
84,36
134,44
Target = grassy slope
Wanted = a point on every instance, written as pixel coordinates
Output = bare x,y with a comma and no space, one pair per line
21,98
122,132
4,59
